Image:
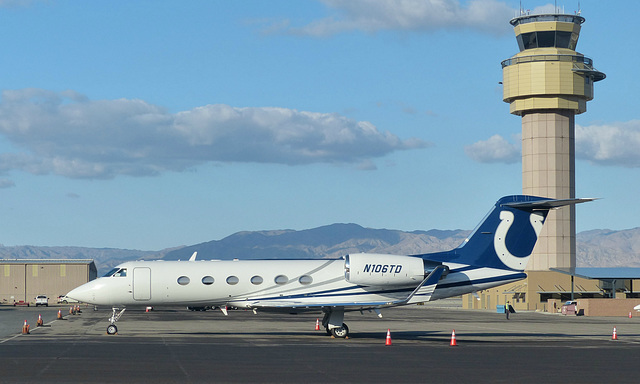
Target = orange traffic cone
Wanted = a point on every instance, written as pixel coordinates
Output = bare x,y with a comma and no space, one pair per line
40,323
630,316
59,314
317,324
25,328
388,341
453,338
615,334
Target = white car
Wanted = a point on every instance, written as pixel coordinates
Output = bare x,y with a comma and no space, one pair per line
42,300
65,300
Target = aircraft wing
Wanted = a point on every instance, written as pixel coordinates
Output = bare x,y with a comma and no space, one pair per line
420,294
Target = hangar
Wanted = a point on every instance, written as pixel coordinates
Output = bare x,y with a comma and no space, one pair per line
592,288
24,279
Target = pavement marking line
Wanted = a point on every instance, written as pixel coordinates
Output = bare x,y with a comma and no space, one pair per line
49,324
175,357
9,339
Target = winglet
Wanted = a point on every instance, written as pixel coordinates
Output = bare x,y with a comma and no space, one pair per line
425,288
193,257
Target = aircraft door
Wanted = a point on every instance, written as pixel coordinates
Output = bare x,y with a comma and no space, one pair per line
142,283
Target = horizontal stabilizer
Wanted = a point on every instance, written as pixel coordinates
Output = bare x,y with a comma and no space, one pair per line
547,204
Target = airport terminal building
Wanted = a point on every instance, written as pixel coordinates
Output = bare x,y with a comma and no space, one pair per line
24,279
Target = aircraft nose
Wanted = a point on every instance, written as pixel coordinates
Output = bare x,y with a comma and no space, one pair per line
81,293
85,293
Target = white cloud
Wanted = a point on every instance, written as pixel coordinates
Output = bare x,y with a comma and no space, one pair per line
494,150
610,144
6,183
613,144
407,15
367,165
67,134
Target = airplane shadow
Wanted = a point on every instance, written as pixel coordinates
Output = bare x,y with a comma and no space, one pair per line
424,336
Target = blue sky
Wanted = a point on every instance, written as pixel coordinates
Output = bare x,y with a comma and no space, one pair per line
152,124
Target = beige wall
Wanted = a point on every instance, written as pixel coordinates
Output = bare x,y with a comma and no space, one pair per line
12,283
525,295
608,307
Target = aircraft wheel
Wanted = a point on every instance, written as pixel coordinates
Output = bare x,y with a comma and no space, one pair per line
340,332
112,329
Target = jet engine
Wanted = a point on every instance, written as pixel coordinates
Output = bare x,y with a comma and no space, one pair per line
372,269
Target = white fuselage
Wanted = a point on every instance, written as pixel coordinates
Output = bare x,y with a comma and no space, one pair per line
296,284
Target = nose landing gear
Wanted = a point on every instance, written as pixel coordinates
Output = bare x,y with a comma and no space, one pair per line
115,315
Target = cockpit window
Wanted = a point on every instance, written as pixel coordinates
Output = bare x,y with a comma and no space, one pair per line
121,273
117,272
111,272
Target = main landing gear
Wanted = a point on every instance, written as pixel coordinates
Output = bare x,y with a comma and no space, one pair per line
333,324
341,332
115,315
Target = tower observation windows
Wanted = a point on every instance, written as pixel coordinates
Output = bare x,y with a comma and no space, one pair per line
547,39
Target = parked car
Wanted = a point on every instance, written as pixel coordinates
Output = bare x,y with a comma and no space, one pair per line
570,308
42,300
198,308
63,299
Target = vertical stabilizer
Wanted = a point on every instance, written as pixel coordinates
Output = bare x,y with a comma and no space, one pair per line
506,237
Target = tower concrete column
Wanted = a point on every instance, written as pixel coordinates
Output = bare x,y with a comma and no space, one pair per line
547,83
548,169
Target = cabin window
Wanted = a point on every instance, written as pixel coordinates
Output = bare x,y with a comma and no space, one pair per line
232,280
281,279
207,280
183,280
305,280
256,280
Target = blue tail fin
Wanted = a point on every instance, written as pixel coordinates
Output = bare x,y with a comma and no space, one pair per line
506,237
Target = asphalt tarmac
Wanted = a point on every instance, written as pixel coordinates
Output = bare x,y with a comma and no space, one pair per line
179,346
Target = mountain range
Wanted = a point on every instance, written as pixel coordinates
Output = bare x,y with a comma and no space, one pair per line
595,248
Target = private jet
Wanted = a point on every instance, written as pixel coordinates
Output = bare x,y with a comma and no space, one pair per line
495,253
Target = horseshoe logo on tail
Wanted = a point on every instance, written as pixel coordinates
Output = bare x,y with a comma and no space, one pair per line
506,220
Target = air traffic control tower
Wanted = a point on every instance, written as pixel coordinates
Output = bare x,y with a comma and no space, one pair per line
547,83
